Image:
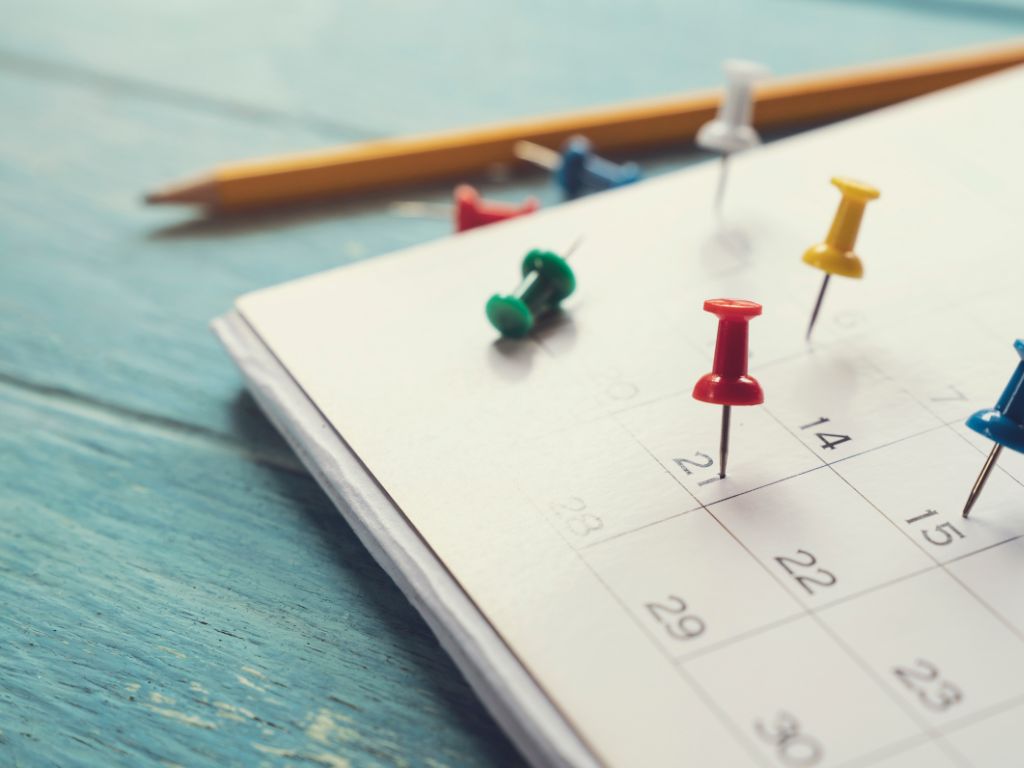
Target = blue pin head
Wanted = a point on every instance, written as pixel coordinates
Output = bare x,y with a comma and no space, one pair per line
1004,424
582,172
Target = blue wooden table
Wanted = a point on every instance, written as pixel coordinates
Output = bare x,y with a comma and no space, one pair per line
174,588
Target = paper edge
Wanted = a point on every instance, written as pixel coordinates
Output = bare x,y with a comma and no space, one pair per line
507,690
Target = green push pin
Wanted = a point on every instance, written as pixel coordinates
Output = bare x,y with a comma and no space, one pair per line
547,281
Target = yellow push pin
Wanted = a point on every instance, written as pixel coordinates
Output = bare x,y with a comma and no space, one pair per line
835,256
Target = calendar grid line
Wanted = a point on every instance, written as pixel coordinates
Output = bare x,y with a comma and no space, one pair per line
922,724
857,650
825,347
579,556
889,444
986,548
981,601
951,423
985,604
980,452
703,505
966,721
642,527
712,705
871,758
804,610
712,647
936,736
928,732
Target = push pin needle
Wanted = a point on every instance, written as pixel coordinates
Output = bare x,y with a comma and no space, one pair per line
577,169
732,130
723,176
986,470
468,211
817,305
542,157
1003,425
728,383
723,441
835,255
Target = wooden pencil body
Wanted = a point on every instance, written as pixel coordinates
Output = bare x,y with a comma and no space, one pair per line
454,155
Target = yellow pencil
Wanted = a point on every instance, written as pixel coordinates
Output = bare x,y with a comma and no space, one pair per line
451,155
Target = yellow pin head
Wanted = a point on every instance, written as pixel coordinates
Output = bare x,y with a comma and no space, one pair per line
835,256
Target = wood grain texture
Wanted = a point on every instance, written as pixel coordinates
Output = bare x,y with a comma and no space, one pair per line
105,299
174,590
437,64
168,599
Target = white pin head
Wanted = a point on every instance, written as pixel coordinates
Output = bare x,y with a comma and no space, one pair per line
731,130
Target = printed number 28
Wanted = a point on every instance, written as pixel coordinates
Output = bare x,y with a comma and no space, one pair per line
573,513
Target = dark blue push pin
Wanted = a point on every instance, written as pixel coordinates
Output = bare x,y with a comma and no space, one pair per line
1003,425
578,171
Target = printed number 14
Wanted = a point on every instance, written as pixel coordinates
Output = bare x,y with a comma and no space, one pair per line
828,439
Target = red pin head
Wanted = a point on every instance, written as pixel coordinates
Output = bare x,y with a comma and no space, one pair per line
473,211
728,382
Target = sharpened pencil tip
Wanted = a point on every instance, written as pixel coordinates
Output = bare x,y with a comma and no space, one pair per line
202,192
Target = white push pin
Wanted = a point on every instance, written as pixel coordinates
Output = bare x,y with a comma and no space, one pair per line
731,130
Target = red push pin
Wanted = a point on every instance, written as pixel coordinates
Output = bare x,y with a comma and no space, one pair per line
473,211
728,383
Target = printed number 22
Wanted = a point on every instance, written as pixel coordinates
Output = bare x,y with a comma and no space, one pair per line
825,578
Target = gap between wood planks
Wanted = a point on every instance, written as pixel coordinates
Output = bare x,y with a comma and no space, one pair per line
83,77
119,415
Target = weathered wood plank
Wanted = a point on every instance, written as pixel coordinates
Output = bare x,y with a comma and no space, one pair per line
411,66
173,589
97,296
167,600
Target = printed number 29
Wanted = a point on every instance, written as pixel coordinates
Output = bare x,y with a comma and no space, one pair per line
672,615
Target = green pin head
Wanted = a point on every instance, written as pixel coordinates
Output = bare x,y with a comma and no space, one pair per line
547,281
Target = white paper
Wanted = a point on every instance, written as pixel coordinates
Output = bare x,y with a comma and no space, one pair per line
808,610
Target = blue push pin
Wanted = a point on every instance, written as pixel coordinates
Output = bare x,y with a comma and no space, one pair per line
578,171
1003,425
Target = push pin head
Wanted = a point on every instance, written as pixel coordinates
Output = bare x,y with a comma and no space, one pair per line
1003,425
582,172
577,170
472,211
835,256
728,382
731,130
547,281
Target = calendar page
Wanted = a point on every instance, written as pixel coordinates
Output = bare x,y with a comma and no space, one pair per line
823,605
